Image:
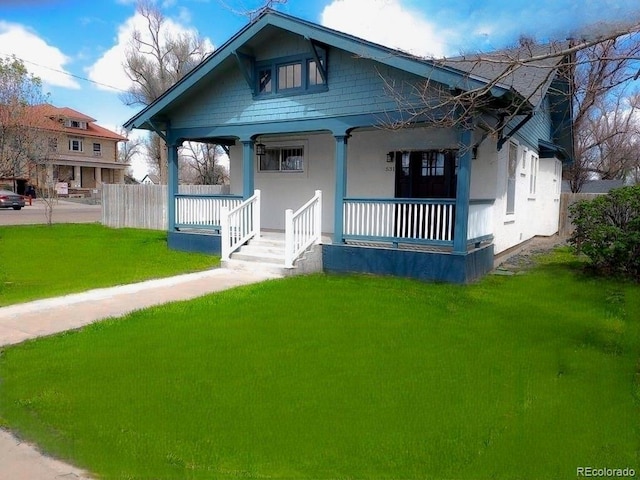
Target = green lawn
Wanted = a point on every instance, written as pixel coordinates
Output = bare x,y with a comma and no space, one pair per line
39,261
336,377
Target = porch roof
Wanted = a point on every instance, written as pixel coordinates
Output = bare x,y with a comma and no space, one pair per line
153,116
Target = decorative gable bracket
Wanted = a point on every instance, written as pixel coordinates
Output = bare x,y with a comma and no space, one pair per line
319,52
246,65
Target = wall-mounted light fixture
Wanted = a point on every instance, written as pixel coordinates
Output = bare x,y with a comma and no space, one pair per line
474,153
261,150
390,157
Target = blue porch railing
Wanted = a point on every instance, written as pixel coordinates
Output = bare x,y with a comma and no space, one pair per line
202,211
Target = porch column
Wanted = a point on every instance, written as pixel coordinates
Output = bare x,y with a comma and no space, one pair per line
341,187
98,177
248,184
77,177
172,185
463,192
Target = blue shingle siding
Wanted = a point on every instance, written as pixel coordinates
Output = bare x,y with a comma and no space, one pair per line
538,128
283,45
355,87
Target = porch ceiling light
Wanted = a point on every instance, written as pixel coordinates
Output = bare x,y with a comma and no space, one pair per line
261,149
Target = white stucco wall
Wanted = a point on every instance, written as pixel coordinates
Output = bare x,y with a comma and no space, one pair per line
370,176
368,173
535,214
281,191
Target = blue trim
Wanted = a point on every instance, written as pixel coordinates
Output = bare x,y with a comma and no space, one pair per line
248,184
195,242
463,191
172,185
197,226
274,64
425,201
341,186
433,71
483,238
397,240
482,201
245,131
429,266
209,195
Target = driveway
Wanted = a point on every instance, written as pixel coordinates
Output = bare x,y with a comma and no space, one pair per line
63,212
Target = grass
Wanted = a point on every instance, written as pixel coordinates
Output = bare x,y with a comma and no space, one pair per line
38,261
336,377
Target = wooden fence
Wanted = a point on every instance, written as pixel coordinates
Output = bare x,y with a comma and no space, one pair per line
144,206
565,228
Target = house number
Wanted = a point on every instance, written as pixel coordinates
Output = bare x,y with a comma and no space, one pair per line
389,169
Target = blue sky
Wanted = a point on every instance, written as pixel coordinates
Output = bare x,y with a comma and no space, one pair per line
67,43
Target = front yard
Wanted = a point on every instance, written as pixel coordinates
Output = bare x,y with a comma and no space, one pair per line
39,261
322,377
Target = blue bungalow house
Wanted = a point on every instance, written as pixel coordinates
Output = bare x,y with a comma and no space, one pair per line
305,111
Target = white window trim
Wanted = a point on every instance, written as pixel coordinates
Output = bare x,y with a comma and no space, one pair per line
80,144
534,174
510,217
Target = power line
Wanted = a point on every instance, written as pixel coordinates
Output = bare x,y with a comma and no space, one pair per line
65,73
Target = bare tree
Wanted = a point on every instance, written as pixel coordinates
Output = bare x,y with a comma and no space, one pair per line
203,162
605,110
157,59
588,72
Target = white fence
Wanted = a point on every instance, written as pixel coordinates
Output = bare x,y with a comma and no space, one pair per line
144,206
302,228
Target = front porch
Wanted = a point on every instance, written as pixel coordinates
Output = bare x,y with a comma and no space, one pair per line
402,237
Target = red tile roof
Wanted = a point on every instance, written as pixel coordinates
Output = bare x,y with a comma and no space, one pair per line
51,116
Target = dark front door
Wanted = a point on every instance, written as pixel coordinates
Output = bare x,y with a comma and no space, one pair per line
424,174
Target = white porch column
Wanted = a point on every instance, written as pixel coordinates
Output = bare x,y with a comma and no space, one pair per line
77,176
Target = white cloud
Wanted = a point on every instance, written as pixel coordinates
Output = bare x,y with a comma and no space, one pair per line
387,22
41,59
108,70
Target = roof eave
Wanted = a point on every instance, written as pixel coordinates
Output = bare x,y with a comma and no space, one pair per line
362,48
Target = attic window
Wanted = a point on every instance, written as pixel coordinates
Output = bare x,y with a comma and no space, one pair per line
75,124
290,76
293,75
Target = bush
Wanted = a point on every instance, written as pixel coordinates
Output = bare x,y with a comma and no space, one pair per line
607,230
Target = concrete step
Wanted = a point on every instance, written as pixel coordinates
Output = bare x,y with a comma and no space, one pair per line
259,249
258,267
249,256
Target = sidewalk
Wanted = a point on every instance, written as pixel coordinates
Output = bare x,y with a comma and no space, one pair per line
45,317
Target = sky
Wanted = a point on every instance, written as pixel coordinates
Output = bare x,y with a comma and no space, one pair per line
77,47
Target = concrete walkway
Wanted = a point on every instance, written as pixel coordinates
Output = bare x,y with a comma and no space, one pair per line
45,317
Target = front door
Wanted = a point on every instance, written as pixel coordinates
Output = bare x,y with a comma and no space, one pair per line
424,174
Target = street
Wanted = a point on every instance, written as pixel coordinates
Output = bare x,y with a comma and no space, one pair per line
63,212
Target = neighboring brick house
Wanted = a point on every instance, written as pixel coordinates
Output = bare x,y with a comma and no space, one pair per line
81,154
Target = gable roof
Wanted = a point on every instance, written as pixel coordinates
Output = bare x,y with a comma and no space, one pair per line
527,69
50,117
455,73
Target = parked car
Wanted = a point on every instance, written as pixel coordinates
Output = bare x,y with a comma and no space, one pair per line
11,200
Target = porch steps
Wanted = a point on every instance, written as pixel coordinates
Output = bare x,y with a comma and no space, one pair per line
266,254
